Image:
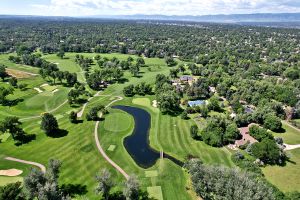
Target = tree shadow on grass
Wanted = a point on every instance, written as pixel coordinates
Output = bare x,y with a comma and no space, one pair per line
11,103
281,130
58,133
25,139
73,189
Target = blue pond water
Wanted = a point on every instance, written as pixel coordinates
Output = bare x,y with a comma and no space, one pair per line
137,144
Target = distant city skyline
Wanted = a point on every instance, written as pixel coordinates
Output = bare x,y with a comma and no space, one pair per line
146,7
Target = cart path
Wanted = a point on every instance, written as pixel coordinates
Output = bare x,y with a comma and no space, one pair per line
51,111
80,113
291,147
102,152
42,167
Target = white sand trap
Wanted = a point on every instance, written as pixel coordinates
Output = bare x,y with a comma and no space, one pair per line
10,172
56,90
45,84
38,90
56,63
154,103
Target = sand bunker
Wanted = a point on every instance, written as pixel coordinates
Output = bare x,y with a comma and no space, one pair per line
154,103
10,172
45,84
56,90
38,90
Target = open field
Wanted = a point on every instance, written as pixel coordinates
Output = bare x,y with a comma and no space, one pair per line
286,178
290,136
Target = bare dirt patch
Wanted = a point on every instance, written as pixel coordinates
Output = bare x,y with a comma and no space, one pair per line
19,74
10,172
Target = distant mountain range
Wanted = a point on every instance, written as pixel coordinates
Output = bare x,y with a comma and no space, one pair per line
234,18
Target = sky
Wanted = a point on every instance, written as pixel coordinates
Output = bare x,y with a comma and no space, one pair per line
147,7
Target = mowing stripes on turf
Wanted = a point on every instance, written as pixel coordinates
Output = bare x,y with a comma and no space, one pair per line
155,192
151,173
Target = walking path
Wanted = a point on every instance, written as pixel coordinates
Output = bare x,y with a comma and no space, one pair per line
291,147
80,113
290,125
117,167
51,111
42,167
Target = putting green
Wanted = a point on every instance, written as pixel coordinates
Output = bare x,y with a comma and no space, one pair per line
151,173
117,122
4,180
155,192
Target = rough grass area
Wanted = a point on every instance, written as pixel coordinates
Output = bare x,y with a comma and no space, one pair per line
117,122
286,178
155,192
290,136
18,74
6,180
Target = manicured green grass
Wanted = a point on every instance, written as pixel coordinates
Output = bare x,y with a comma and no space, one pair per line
77,150
117,122
49,88
290,136
172,135
151,173
155,192
286,178
4,137
111,148
4,180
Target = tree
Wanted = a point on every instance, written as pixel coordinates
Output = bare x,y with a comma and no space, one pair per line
218,182
4,92
170,61
93,112
61,54
140,61
73,96
203,111
232,133
13,82
44,186
184,115
13,126
128,91
214,104
3,73
168,100
194,131
104,183
131,190
49,124
174,73
259,133
134,70
73,117
11,191
272,122
268,152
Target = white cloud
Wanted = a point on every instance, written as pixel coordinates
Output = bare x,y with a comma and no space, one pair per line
166,7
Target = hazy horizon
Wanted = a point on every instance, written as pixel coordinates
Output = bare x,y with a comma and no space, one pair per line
145,7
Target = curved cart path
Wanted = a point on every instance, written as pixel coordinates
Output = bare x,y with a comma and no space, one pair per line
42,167
102,152
291,147
51,111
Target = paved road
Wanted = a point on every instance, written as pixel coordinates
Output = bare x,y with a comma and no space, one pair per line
42,167
291,147
100,149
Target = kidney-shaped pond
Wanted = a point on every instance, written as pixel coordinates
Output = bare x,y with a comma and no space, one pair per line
137,144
